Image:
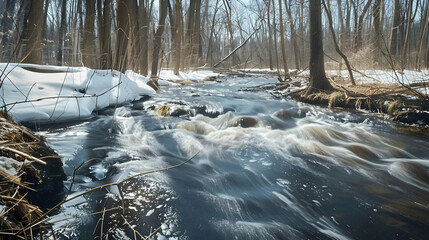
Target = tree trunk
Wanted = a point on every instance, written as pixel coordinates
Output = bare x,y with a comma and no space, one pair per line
347,25
422,37
377,30
318,79
177,36
158,37
76,31
394,39
88,46
105,23
144,13
275,37
293,35
33,33
123,31
358,39
270,36
196,36
62,32
7,23
134,43
342,28
282,41
410,17
189,34
209,55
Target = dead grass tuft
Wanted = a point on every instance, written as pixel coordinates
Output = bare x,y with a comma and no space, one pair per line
393,108
163,111
336,98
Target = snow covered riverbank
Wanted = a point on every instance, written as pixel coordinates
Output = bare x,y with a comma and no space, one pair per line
42,93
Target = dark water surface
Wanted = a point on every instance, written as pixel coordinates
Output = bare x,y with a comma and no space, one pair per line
266,168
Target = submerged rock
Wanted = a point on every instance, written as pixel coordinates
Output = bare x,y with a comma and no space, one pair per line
179,112
209,79
245,122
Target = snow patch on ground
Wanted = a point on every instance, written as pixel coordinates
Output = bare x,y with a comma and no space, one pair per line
196,76
36,88
383,76
9,165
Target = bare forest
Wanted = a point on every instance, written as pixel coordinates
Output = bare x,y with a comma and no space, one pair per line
148,35
214,119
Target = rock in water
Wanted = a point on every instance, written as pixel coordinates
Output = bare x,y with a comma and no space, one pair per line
163,111
245,122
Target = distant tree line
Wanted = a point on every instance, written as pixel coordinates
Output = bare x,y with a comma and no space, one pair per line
145,35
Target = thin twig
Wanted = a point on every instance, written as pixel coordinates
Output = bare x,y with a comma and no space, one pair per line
132,228
153,233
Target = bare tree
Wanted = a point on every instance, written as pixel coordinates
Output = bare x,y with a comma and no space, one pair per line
88,44
104,31
7,24
282,41
394,39
176,23
145,15
318,80
270,35
158,37
376,10
337,47
122,35
359,29
425,21
293,34
33,33
410,17
62,32
209,54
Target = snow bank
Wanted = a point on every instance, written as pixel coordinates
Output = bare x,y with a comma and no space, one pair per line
35,90
384,76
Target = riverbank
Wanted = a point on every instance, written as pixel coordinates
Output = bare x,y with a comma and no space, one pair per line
399,103
402,96
31,178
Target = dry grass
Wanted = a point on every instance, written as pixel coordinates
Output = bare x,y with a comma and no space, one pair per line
163,111
393,108
18,143
336,97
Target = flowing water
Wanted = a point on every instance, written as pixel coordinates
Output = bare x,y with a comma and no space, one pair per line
265,168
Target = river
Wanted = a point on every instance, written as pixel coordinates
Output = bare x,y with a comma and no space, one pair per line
264,168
